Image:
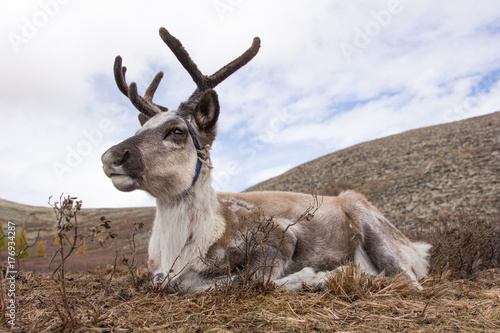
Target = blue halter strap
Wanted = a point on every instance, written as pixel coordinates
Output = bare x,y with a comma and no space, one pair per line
198,150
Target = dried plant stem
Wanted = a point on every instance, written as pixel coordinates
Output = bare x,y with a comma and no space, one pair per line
3,307
114,266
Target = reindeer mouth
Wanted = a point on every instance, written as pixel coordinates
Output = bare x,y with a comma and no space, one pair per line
124,183
123,179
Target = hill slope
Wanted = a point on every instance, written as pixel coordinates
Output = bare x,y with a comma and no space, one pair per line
42,220
413,175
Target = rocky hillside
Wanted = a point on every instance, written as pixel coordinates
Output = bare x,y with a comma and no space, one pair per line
412,176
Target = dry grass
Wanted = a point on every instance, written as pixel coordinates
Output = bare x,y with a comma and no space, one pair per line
463,294
353,302
464,243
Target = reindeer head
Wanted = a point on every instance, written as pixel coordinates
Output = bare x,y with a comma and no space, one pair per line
163,157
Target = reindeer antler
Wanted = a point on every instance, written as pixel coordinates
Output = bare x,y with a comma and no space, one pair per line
204,82
145,104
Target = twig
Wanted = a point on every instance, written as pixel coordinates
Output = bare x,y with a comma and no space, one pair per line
3,308
66,306
132,265
114,266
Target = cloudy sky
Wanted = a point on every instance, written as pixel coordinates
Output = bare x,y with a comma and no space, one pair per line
329,74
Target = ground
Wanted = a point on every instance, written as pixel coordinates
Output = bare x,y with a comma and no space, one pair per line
102,302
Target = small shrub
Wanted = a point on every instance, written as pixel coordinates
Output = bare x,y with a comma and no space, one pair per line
3,240
261,239
131,263
82,250
464,243
71,240
21,243
40,250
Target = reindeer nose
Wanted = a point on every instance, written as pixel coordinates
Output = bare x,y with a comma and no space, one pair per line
114,158
123,159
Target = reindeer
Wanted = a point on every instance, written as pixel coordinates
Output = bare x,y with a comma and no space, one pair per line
200,236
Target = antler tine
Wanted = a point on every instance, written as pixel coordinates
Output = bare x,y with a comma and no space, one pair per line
236,64
183,56
144,106
120,71
152,89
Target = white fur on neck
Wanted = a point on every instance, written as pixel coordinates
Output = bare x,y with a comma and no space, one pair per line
195,214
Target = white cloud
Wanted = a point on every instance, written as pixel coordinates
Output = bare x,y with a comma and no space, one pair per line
265,174
425,63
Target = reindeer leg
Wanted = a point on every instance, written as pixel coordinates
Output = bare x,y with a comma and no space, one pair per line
308,276
154,261
384,247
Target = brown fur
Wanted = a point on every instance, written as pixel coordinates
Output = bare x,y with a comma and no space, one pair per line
309,236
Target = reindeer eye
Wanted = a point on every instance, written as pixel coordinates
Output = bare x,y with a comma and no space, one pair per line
175,133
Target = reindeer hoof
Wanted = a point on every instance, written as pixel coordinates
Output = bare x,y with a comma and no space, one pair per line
158,280
319,287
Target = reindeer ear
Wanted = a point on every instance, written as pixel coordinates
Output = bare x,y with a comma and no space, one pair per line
142,119
206,112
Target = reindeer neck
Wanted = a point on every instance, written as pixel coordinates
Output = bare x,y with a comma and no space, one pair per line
188,225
